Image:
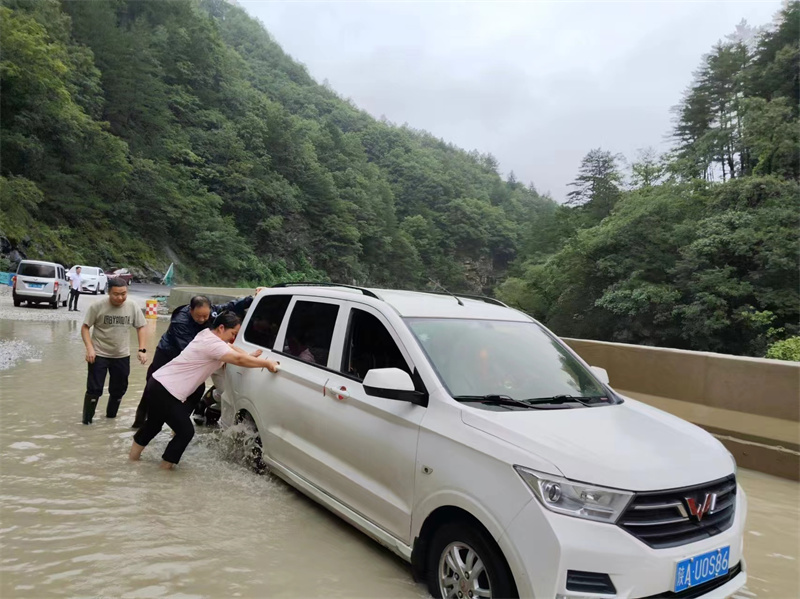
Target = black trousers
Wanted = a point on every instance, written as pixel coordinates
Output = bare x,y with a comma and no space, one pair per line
74,294
118,370
165,408
160,358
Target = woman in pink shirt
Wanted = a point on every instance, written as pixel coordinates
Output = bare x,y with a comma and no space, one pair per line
172,384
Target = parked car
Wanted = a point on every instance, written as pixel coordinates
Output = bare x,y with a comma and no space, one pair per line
93,279
120,273
40,282
471,441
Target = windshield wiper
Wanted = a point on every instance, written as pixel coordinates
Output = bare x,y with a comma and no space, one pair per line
500,400
586,401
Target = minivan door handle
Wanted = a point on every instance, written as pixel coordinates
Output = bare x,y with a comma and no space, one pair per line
338,392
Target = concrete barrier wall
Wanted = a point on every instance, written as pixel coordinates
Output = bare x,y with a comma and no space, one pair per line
752,405
751,385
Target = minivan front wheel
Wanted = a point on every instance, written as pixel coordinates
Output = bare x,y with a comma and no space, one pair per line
464,562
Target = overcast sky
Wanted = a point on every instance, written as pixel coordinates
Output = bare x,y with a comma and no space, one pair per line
537,84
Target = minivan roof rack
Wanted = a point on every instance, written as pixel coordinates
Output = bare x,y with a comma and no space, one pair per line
481,298
366,292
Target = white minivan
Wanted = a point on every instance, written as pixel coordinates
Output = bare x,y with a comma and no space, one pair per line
38,282
471,441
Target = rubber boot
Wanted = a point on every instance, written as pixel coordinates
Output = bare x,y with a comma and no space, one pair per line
113,406
89,406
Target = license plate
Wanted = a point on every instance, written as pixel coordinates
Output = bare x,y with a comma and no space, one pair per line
701,568
35,285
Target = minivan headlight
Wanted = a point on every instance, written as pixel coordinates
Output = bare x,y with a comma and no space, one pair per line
575,499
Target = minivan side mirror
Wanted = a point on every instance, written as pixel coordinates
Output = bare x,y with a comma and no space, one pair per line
393,383
600,373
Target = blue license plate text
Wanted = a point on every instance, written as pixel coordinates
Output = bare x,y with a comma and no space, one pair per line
702,568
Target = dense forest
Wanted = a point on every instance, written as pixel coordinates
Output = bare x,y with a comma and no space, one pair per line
142,132
145,132
699,248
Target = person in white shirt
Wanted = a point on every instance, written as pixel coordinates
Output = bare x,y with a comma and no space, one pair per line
75,289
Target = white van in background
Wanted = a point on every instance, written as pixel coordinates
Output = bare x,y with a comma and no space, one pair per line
93,279
40,282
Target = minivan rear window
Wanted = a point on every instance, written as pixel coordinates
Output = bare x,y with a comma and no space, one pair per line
266,320
29,269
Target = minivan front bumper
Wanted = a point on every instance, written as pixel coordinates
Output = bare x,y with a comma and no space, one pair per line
546,545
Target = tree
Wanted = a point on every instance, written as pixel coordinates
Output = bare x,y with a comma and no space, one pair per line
648,169
597,184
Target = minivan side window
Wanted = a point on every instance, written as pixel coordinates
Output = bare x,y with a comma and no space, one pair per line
266,320
310,330
369,345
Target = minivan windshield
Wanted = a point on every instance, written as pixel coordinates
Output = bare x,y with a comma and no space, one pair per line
30,269
505,359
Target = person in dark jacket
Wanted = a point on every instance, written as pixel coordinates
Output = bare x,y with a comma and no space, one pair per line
186,322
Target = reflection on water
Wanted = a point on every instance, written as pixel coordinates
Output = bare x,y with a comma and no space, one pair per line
77,519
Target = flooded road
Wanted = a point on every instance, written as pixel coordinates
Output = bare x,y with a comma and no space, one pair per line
77,519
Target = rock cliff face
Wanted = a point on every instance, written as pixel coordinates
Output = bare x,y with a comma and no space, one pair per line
10,255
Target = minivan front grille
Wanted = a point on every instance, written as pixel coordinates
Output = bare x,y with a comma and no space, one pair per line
664,518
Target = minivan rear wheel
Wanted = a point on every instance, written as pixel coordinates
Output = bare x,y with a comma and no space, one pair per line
464,562
254,449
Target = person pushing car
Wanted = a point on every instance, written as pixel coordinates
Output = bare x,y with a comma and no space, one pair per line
185,324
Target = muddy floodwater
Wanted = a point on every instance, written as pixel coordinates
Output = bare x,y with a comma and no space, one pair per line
77,519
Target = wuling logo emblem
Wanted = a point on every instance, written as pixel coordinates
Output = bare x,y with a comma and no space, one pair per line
698,510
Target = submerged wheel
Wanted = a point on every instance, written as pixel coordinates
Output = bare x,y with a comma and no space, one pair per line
464,562
254,449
